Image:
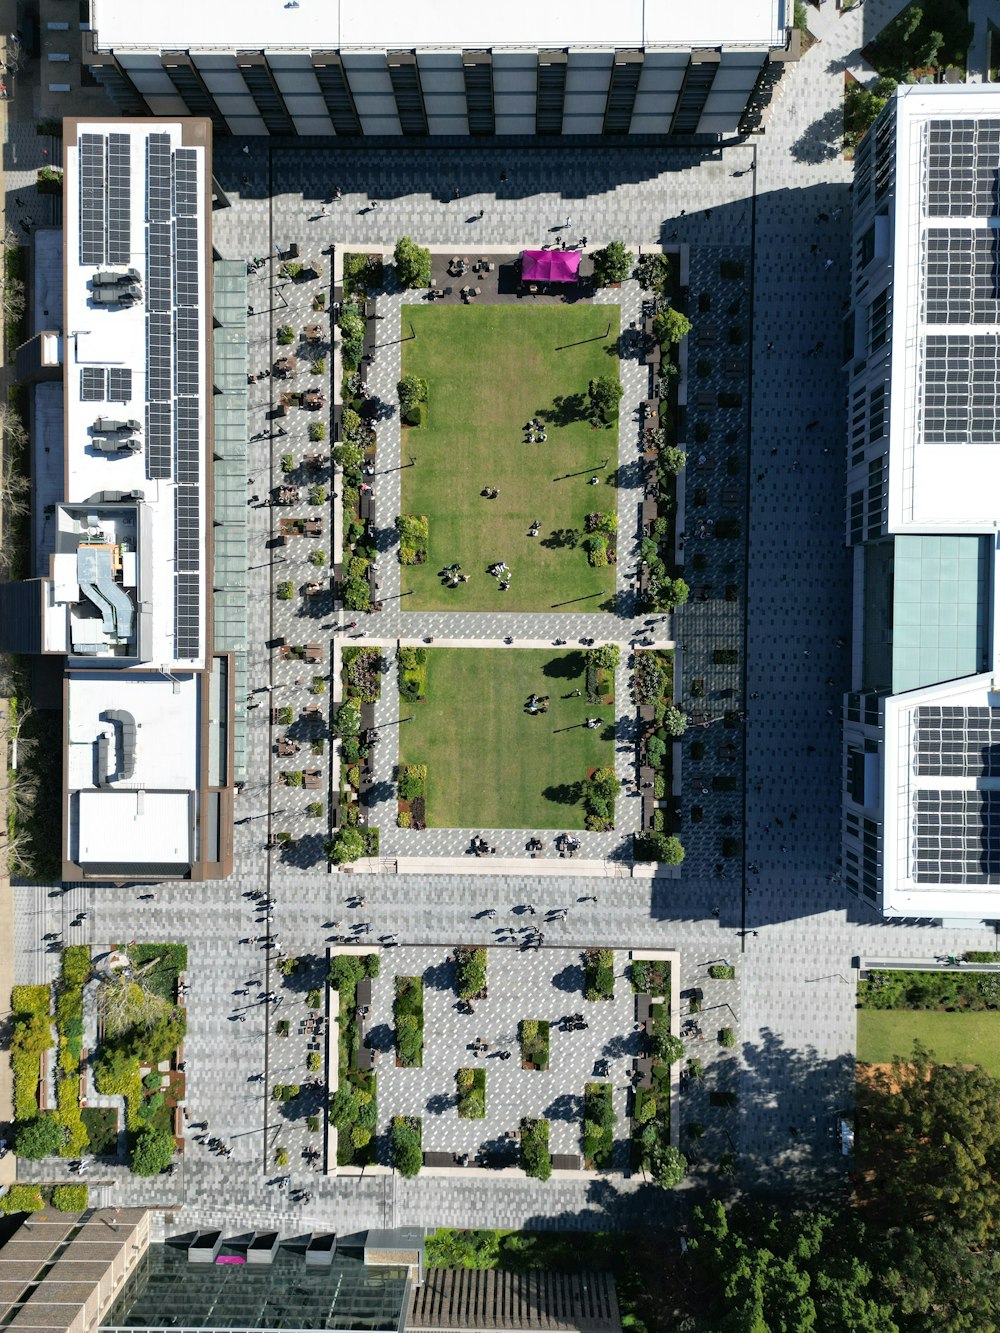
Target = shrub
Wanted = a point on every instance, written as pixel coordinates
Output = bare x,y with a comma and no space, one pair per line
346,845
312,1124
315,809
653,272
471,1085
317,495
405,1139
412,781
674,721
286,590
22,1199
347,721
727,1037
152,1152
599,974
285,335
672,459
281,1157
670,326
605,393
318,685
41,1137
70,1198
352,335
667,1048
662,847
317,431
612,264
535,1159
404,819
412,263
470,976
318,367
722,972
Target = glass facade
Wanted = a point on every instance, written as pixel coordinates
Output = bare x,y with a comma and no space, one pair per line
168,1292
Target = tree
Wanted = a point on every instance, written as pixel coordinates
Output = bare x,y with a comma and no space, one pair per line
608,656
666,848
352,334
407,1156
672,459
412,263
672,592
412,390
670,326
346,845
605,395
674,721
348,719
667,1047
38,1138
667,1165
22,1199
612,264
932,1135
152,1152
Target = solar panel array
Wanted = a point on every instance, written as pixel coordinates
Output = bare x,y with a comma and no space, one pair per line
957,742
956,837
961,276
173,380
961,388
119,199
119,384
962,158
93,199
92,388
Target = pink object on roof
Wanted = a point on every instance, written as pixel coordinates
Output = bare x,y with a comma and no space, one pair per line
230,1259
550,265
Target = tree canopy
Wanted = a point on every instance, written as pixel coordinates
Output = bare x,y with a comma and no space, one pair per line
412,263
37,1138
152,1151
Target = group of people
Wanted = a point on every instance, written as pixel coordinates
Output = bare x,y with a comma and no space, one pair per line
490,493
537,703
535,432
451,576
536,527
501,571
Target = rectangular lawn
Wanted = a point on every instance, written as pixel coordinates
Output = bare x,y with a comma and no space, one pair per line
955,1038
489,370
489,763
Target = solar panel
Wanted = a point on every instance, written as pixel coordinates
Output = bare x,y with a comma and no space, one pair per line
187,529
961,275
92,384
185,182
93,203
956,837
961,167
186,264
119,384
159,376
961,388
158,178
187,325
956,742
187,452
159,444
159,267
187,602
119,199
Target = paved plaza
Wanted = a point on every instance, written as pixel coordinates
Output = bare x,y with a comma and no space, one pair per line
789,930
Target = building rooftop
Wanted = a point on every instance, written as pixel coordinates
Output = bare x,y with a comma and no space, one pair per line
945,376
438,24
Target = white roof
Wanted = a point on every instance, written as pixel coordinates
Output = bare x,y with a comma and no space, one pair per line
129,827
113,337
936,486
437,24
166,716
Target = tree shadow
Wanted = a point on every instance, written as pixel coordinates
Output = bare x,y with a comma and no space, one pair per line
623,1044
381,1037
560,538
823,140
378,793
567,666
566,793
572,407
440,976
567,1106
440,1102
306,852
309,975
570,979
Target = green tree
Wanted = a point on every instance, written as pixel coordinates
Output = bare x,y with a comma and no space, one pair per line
605,394
612,264
667,1165
346,845
932,1135
667,1047
22,1199
666,848
670,326
674,721
352,335
42,1137
672,592
412,391
412,263
152,1152
407,1156
672,459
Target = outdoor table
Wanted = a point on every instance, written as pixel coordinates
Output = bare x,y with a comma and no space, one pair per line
313,652
314,527
313,332
285,365
312,398
312,778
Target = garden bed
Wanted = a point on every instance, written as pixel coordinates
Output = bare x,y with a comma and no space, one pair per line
534,1149
408,1016
651,976
471,1085
533,1035
599,974
598,1126
946,991
353,1107
470,972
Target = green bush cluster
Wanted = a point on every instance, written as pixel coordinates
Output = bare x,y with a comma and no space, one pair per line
535,1159
722,972
414,533
352,335
31,1035
605,394
613,263
412,663
470,975
22,1199
663,847
951,990
727,1037
285,335
600,792
471,1084
70,1198
411,780
354,1110
653,272
670,326
408,1016
406,1140
118,1075
598,1124
285,1092
599,974
533,1034
152,1151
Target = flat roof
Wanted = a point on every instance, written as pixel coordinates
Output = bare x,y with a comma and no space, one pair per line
944,440
134,827
134,207
438,24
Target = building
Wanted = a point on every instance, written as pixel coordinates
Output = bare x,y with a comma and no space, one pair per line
921,835
449,68
127,593
83,1272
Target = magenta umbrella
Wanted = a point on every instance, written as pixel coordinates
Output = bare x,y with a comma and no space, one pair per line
550,265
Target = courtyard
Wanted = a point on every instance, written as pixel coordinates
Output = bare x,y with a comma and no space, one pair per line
495,761
489,371
547,986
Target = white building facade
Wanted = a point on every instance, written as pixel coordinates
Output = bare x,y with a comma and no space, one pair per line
443,67
921,835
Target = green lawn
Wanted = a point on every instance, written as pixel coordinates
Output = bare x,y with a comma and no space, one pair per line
489,763
490,369
960,1038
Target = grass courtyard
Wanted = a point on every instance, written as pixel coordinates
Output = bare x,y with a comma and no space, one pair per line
955,1038
489,370
490,764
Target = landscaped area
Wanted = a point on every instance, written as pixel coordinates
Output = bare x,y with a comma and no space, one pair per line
494,762
490,370
954,1038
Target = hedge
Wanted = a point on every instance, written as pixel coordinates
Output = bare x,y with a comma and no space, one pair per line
31,1036
70,1198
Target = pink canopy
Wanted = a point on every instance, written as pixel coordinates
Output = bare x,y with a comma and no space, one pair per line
550,265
